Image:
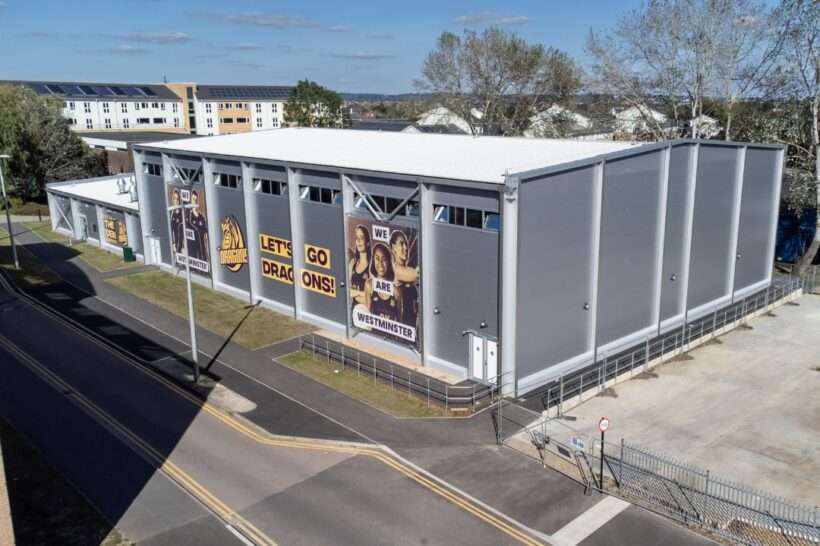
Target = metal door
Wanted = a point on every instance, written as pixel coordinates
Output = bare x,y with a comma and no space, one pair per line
155,250
83,227
477,357
491,355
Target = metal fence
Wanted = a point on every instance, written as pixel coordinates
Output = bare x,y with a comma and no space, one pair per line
572,388
468,395
687,493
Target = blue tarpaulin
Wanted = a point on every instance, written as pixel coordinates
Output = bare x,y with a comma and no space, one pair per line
794,234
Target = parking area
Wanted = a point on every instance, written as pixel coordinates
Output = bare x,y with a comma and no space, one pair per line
745,406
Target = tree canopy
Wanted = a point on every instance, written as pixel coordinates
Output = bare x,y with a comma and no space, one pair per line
40,142
311,105
495,80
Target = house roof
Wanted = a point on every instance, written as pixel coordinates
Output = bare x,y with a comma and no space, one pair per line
243,92
92,91
453,157
98,190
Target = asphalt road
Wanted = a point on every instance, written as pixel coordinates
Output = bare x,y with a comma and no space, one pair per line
109,425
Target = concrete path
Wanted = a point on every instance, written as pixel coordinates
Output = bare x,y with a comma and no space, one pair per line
461,451
6,527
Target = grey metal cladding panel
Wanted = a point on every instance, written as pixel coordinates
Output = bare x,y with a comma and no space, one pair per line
322,225
461,197
187,162
757,212
273,219
64,204
628,241
712,225
386,187
90,212
464,288
319,178
231,202
675,235
554,269
157,218
228,167
270,172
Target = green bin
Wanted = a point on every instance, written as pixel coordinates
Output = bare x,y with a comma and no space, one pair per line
128,254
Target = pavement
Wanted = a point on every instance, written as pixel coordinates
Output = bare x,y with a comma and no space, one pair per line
745,406
461,453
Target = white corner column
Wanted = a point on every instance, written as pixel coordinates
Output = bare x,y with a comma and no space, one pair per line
509,289
214,233
660,234
297,240
144,210
740,169
348,200
252,232
427,268
591,306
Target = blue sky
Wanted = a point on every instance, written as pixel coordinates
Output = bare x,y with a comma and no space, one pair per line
348,46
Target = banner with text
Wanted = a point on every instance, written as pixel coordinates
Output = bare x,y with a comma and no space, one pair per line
196,227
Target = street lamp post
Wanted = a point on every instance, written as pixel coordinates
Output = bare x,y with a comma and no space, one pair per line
8,212
194,352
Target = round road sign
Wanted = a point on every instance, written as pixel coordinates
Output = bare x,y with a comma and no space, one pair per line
603,424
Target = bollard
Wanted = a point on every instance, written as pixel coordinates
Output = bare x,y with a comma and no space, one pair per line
343,357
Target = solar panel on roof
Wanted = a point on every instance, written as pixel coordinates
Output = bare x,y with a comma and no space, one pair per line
71,90
39,88
87,90
54,88
130,91
148,91
117,90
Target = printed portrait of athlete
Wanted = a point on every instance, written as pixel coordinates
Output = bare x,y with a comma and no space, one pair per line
378,302
358,268
406,283
176,223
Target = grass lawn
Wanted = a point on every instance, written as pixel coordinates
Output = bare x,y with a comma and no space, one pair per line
99,259
45,508
29,208
361,387
215,311
32,271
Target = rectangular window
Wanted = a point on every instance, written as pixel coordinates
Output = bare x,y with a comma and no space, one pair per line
226,180
226,120
174,107
154,105
460,216
210,123
242,120
159,121
105,108
107,123
274,107
193,175
275,123
457,216
238,105
207,108
258,108
124,107
412,208
125,123
143,121
474,218
71,106
144,105
258,123
320,195
393,204
176,122
162,106
492,221
87,107
136,106
271,187
89,124
154,169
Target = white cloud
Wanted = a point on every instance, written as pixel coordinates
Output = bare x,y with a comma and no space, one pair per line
162,38
363,56
123,50
483,18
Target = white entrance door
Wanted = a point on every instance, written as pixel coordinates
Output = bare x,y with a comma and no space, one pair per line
83,227
477,357
492,361
154,250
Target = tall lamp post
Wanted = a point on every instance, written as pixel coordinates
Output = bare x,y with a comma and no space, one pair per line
3,157
194,352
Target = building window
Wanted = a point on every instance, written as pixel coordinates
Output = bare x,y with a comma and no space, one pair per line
258,123
210,123
275,123
388,205
274,107
176,122
207,108
154,169
105,108
144,105
162,106
226,120
136,106
143,121
239,105
89,124
271,187
125,123
155,105
124,107
174,107
87,107
320,195
471,218
107,123
192,175
226,180
242,120
71,105
258,108
159,121
72,121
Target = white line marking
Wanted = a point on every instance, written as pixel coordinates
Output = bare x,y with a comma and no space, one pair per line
239,535
590,521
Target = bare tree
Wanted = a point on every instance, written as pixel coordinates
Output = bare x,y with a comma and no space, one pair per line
498,74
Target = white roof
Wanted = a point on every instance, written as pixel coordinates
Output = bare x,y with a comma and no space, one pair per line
101,190
455,157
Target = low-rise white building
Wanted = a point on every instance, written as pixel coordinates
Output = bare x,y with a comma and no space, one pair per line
226,109
441,116
113,106
638,119
542,123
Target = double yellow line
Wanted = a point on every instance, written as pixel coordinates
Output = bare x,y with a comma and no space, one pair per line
220,507
159,461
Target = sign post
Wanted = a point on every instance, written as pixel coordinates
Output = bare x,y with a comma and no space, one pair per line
603,424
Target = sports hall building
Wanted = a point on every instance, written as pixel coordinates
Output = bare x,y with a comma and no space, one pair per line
476,256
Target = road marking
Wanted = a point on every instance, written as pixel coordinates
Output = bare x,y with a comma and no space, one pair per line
141,447
590,521
376,452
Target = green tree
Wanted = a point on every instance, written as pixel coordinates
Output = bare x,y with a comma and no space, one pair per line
311,105
41,144
495,80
